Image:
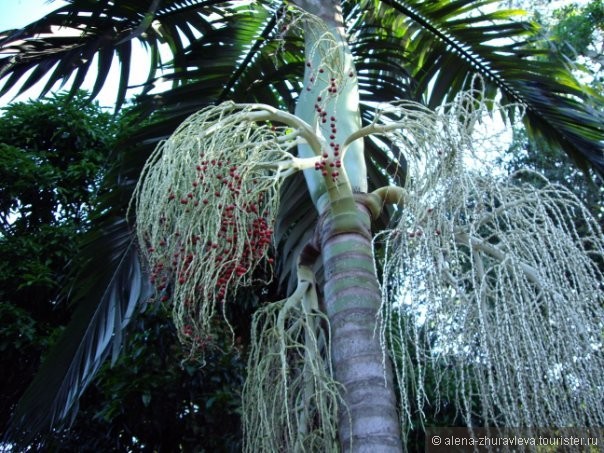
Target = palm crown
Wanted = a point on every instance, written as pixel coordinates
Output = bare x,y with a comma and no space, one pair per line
420,50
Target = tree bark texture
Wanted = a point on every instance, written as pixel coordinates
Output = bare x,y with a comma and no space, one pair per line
369,422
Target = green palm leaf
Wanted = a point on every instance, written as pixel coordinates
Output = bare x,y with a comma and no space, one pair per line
69,40
445,48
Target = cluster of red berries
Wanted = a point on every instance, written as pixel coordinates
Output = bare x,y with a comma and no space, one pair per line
196,340
329,167
229,263
175,255
333,83
177,264
329,164
333,87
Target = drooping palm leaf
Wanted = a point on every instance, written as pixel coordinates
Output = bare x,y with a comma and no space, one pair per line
107,297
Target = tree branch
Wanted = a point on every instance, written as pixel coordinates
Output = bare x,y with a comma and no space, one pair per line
479,244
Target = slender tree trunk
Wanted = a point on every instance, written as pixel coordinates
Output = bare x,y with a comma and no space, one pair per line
352,298
330,100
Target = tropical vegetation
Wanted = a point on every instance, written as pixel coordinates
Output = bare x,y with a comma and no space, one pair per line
317,153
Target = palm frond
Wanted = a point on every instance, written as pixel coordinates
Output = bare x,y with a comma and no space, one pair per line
83,38
107,295
445,46
239,60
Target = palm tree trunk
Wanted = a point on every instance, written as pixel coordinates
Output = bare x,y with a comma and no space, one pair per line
369,422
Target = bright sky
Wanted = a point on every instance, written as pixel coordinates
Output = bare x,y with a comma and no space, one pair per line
16,13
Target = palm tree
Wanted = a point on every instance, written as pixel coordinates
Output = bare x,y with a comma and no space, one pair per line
308,75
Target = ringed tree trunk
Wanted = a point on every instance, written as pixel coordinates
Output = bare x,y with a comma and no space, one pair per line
330,102
352,300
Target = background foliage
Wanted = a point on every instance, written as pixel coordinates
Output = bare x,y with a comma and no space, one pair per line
54,154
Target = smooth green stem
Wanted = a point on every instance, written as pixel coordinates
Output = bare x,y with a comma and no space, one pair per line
391,195
329,102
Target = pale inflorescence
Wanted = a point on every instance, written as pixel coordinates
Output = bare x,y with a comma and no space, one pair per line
205,208
492,289
290,398
326,58
328,101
